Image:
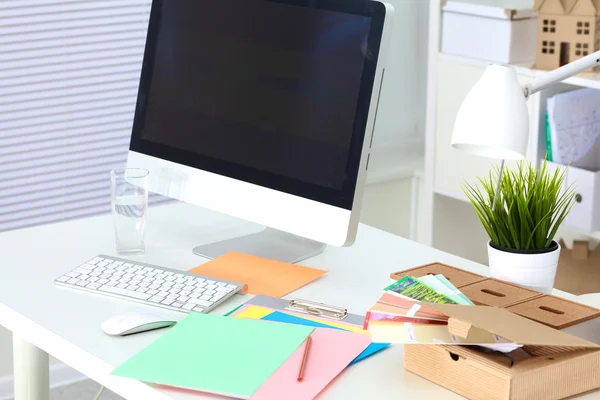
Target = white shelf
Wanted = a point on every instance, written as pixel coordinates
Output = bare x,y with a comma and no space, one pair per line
588,80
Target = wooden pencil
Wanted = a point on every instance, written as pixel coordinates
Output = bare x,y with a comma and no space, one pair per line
304,358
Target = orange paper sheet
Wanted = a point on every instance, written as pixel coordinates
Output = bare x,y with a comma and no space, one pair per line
263,276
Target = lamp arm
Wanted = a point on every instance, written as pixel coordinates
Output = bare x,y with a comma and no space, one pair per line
562,73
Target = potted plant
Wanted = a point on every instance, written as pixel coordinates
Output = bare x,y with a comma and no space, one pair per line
521,210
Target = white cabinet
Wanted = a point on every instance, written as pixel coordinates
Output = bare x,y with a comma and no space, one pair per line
585,214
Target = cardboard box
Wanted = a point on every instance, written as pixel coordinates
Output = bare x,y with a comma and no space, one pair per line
558,365
456,276
489,33
555,312
493,292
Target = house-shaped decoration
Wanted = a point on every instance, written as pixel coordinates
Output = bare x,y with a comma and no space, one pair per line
567,31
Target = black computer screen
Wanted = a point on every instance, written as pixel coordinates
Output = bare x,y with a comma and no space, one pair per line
264,91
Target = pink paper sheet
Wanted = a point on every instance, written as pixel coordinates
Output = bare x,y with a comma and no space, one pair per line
330,352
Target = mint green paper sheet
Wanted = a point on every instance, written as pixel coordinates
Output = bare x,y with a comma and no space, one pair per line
216,354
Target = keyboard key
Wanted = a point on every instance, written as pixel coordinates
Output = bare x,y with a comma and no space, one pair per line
167,302
102,264
210,282
185,292
123,280
73,281
201,284
152,291
102,281
151,274
168,284
63,279
140,272
100,269
112,283
127,264
221,284
72,274
128,275
156,299
198,309
173,290
94,261
132,287
179,286
144,284
96,273
168,273
124,292
195,295
122,285
162,294
172,296
183,299
177,275
93,279
170,278
209,292
232,286
83,283
211,286
199,290
224,289
216,298
148,269
189,287
118,262
205,297
202,303
141,290
180,280
189,306
177,304
200,280
121,268
154,286
88,266
93,286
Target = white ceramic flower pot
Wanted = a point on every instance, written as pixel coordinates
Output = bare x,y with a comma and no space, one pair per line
535,271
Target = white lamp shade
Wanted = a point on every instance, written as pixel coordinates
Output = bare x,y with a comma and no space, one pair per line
493,121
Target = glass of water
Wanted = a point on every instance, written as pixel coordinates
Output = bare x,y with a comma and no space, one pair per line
129,199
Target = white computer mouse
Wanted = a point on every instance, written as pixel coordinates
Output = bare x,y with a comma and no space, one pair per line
136,322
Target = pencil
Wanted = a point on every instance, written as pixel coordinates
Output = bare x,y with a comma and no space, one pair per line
304,358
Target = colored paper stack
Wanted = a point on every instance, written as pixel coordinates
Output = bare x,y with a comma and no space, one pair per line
406,313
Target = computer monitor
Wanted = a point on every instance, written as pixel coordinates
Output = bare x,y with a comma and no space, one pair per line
263,110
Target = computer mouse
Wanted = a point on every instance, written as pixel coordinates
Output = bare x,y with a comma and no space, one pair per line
136,322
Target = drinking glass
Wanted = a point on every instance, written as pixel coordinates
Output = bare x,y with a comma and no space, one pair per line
129,200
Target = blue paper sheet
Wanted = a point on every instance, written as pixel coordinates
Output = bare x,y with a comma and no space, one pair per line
277,316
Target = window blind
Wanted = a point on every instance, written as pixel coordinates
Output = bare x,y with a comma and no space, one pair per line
69,74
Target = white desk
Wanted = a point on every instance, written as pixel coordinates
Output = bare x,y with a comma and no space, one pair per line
66,323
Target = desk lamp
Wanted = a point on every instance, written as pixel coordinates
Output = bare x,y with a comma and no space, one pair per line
493,120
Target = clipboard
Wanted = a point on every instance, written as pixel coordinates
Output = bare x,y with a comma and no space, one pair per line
325,311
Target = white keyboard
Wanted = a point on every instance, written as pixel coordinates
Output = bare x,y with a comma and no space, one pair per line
149,284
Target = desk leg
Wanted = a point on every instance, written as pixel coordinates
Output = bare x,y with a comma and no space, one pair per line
32,374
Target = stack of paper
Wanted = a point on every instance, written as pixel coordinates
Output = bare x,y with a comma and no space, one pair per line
402,315
574,126
215,354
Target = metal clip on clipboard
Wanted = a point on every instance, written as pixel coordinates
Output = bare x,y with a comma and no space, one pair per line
317,309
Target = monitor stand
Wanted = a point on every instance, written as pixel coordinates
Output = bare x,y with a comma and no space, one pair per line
269,243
